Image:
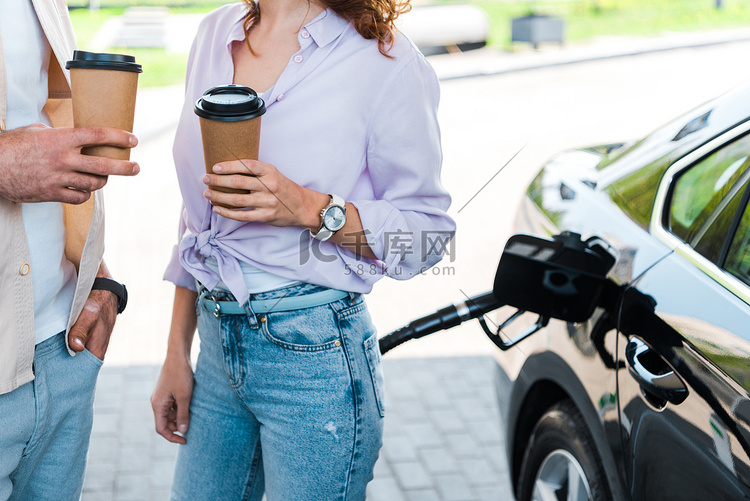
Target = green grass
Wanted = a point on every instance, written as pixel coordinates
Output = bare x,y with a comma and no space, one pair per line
159,66
108,4
584,19
86,23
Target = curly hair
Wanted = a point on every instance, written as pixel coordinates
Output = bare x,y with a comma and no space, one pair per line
373,19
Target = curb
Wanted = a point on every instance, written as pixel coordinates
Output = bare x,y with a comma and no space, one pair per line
489,62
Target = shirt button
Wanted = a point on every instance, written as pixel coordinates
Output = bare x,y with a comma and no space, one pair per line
280,97
24,270
298,59
305,34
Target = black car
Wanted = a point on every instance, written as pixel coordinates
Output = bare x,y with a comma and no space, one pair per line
648,398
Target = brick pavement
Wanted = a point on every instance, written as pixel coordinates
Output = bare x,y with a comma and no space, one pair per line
443,439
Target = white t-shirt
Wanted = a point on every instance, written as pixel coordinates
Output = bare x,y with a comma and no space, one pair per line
27,56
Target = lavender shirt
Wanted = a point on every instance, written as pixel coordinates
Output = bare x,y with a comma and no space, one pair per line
342,118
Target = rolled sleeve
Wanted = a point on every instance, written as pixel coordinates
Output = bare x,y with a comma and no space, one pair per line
407,226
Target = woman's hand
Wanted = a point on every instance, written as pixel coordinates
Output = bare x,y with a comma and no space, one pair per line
171,399
274,199
277,200
174,389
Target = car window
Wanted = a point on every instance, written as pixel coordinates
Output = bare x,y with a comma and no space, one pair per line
704,191
738,258
711,240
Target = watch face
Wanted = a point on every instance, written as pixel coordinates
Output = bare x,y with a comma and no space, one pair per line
334,218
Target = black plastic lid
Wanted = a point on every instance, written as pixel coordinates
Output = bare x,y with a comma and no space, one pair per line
101,61
230,103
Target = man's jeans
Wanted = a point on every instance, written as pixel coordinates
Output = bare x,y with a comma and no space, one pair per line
289,403
45,426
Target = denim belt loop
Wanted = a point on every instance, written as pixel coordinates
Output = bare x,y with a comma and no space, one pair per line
353,297
252,319
202,294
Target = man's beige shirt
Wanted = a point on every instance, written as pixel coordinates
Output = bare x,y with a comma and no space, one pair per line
84,223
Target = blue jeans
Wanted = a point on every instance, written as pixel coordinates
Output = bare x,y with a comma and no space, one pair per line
45,426
289,403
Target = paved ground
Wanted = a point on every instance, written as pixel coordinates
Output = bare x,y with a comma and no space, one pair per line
443,435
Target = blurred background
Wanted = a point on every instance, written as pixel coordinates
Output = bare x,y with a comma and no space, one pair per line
162,44
521,81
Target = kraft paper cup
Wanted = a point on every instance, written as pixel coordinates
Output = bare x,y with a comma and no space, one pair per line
104,88
229,117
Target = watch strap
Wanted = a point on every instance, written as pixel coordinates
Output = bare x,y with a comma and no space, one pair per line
324,233
116,288
337,200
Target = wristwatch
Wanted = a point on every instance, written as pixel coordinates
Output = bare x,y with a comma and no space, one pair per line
116,288
333,218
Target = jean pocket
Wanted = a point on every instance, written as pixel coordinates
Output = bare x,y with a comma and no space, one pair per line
92,358
372,351
309,329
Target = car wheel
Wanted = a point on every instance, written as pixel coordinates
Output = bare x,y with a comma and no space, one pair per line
560,461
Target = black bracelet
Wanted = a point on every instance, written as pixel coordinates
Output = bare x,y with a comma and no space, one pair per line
116,288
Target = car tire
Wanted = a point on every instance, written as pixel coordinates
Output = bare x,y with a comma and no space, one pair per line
561,448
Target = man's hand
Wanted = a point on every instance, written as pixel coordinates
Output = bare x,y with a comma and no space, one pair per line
94,324
43,164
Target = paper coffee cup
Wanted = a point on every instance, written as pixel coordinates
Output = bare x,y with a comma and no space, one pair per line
229,118
104,88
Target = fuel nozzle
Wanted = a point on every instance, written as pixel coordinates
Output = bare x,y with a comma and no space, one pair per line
561,278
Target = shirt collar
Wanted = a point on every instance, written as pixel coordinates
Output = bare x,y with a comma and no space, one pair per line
326,27
237,32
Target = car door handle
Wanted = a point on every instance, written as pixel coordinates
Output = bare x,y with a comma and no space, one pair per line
655,376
